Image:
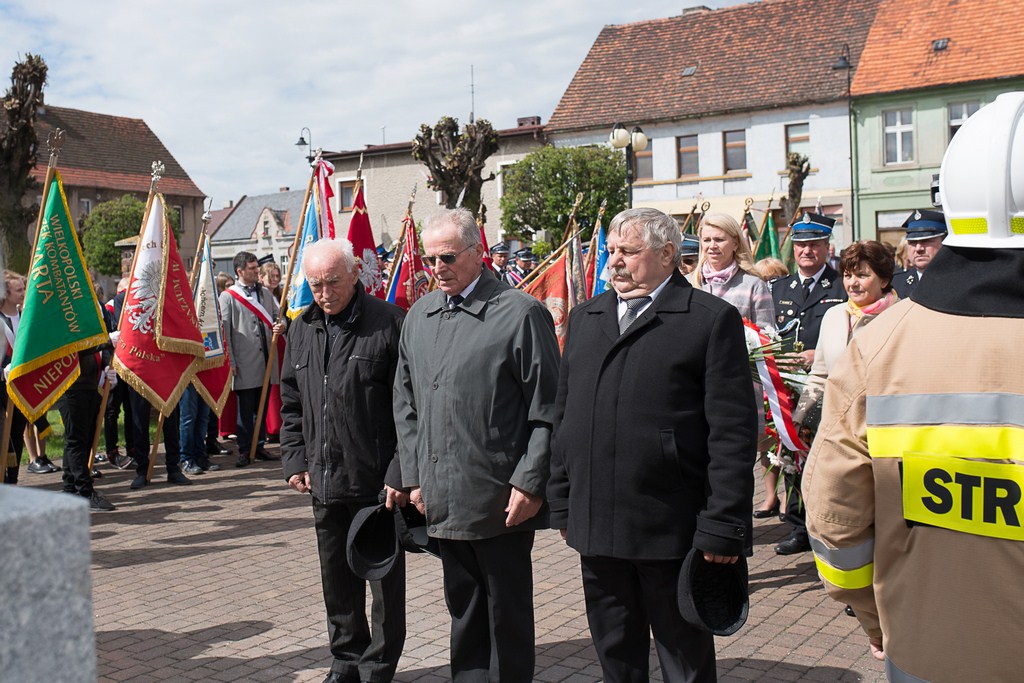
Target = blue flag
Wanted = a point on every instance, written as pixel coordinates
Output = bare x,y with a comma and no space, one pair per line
299,293
602,278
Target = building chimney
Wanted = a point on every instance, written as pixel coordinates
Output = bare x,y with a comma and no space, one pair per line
231,204
696,9
527,121
282,189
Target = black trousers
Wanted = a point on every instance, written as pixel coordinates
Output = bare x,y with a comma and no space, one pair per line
795,511
626,601
362,651
79,407
17,442
118,399
488,586
141,412
245,423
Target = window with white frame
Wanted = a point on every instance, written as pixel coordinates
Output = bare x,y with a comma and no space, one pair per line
644,167
960,112
899,136
502,166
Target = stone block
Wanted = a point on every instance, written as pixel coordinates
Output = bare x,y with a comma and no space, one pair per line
46,615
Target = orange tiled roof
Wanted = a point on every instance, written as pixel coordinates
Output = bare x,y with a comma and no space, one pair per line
109,152
761,55
899,54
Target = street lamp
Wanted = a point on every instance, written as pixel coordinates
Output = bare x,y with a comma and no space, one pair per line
631,141
844,64
308,145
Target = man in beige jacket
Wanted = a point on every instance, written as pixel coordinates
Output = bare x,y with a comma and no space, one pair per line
914,486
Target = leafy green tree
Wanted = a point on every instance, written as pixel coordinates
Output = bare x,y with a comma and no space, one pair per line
539,190
112,221
456,159
18,143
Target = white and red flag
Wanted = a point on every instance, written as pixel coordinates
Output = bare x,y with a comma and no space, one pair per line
160,341
324,171
361,236
213,380
410,279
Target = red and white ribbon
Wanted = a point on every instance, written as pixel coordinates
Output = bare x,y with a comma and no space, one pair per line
779,401
252,304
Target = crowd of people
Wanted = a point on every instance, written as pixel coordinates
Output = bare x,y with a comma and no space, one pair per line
639,441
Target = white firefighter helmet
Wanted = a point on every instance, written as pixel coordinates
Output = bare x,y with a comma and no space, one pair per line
982,178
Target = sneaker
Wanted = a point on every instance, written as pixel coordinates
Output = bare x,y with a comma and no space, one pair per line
138,482
96,474
99,503
49,463
100,457
191,468
38,467
210,467
121,461
178,478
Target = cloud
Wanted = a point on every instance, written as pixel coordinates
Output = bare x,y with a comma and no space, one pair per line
227,85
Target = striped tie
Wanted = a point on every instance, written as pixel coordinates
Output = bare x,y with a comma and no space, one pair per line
633,307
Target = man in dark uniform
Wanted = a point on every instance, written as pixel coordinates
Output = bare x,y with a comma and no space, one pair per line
805,296
515,272
926,228
689,254
499,259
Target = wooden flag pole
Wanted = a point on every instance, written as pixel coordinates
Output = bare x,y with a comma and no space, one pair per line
282,310
401,240
99,423
551,257
207,217
5,444
156,446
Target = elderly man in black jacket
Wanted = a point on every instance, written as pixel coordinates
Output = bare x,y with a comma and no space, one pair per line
654,441
337,443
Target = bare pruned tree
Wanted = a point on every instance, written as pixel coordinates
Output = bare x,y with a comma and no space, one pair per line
456,159
797,167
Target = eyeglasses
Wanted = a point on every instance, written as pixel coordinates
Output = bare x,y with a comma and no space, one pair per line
447,259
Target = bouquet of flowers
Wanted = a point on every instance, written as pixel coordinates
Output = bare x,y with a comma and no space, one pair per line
782,381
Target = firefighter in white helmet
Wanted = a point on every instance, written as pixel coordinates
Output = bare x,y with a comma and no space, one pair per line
915,483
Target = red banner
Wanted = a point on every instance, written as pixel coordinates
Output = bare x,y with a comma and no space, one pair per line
361,236
551,288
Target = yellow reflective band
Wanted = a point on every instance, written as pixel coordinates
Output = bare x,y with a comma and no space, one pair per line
968,226
990,443
980,498
849,579
1017,225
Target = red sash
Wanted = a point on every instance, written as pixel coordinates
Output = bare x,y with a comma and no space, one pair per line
255,307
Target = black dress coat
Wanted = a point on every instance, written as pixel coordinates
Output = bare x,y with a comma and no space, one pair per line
655,430
788,297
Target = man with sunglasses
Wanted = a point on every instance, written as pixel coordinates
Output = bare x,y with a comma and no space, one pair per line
474,399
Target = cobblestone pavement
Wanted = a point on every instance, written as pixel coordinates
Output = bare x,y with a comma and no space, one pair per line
219,581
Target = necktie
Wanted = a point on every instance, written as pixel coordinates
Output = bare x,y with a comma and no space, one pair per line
633,307
808,283
455,301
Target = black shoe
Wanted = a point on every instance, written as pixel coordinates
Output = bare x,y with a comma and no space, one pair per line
39,467
849,611
210,467
243,461
101,457
120,461
334,677
273,438
138,482
765,514
792,546
192,468
263,455
49,463
178,478
100,504
96,474
216,449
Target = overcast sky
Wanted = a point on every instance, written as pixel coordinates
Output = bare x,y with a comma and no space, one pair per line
227,85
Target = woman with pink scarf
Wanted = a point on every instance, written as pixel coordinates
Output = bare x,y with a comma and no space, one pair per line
867,269
726,269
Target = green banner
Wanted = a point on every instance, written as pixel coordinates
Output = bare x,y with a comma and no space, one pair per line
60,316
768,245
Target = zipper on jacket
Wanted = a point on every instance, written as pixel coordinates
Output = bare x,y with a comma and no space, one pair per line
323,410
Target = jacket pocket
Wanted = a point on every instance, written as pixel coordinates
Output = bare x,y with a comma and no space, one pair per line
670,459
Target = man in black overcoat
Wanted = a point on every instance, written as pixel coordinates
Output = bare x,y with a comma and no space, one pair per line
654,442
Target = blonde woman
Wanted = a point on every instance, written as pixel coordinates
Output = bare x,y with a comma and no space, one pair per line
726,269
